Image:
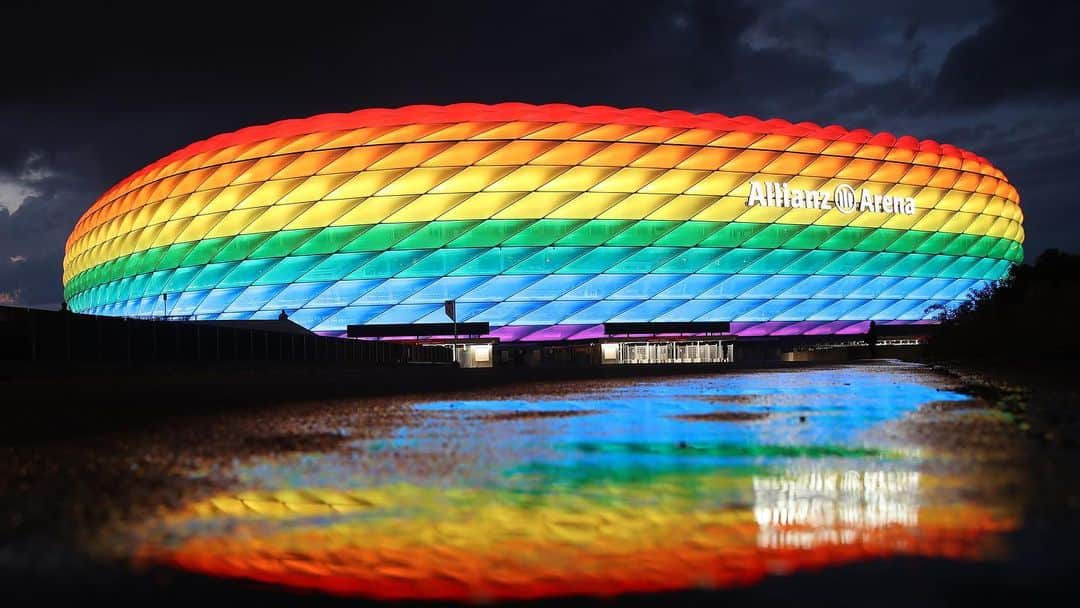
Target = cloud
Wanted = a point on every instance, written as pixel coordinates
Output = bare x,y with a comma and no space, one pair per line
1028,50
32,235
18,185
872,43
13,192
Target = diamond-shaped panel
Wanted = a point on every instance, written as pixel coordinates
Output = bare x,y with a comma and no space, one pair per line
536,216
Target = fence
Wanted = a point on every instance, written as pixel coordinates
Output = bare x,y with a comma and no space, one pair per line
43,335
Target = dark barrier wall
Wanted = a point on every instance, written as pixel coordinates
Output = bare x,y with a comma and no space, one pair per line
51,336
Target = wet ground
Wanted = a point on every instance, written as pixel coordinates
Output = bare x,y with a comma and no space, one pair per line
816,485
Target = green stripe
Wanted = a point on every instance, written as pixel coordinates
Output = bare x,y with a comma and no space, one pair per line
573,260
542,233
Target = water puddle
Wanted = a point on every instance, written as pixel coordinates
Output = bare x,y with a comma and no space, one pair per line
632,486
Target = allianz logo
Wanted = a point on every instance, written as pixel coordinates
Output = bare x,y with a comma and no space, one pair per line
843,198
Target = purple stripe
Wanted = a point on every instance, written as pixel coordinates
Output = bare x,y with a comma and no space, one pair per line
555,333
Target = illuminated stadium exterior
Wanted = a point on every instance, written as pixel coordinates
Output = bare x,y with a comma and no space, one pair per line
548,221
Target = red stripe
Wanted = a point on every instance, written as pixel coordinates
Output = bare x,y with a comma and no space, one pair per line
475,112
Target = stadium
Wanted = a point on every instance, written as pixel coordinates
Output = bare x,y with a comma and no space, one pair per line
550,224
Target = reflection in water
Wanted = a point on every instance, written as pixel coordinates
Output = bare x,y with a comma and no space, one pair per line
551,506
804,510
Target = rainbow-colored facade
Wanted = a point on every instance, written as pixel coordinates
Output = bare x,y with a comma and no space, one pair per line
546,222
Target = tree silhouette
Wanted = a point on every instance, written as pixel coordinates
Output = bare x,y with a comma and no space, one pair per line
1030,314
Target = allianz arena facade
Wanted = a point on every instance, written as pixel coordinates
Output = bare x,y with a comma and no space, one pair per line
547,222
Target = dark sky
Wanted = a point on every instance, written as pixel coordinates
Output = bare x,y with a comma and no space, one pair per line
90,94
